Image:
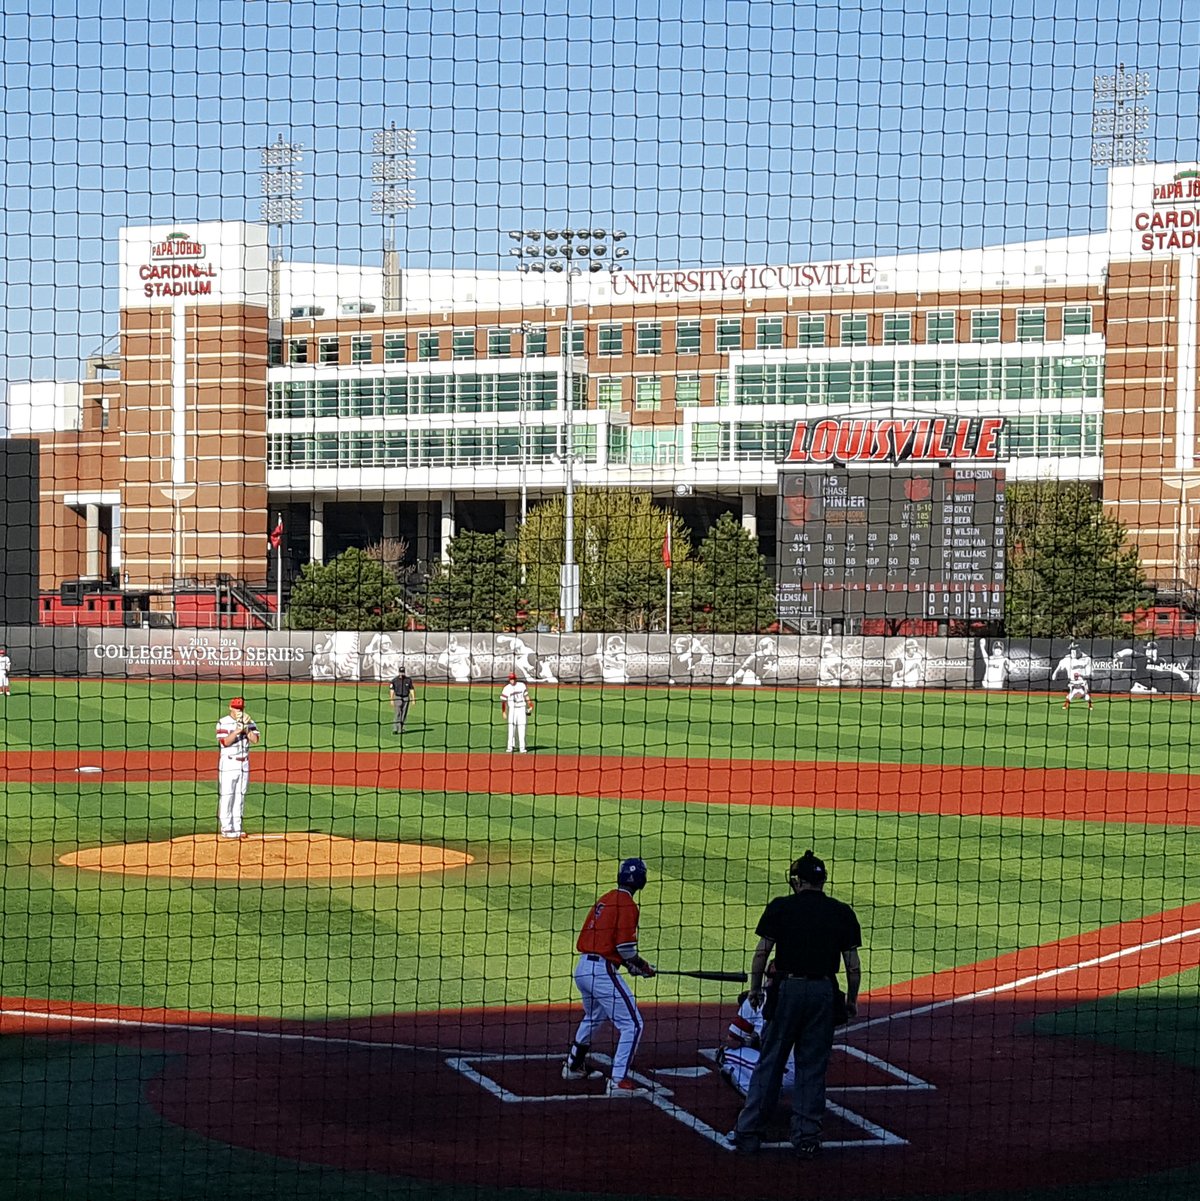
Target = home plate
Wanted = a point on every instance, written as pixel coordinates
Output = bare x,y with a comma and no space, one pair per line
693,1073
89,770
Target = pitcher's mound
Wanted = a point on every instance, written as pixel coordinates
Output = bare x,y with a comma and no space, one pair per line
296,857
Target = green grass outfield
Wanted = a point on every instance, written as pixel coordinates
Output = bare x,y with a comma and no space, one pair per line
960,728
932,891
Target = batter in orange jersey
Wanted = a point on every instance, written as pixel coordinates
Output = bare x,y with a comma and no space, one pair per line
608,941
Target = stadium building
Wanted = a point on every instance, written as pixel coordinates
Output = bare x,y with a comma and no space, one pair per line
411,404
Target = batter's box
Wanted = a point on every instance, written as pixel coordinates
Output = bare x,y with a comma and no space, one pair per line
534,1079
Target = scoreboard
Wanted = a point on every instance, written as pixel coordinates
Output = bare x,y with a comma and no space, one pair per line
919,543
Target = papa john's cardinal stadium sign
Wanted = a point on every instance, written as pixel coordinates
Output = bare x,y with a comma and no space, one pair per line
897,440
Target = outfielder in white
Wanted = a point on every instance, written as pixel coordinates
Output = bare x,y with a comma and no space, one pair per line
5,669
236,734
740,1054
516,704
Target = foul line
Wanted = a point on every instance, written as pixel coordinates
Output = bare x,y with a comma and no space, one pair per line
1022,982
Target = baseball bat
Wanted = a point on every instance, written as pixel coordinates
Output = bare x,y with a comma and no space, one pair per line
732,977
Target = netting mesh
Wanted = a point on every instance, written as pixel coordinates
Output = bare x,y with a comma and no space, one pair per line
598,599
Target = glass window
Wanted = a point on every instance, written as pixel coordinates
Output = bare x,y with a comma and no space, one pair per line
1031,325
429,346
577,335
499,343
327,350
810,330
649,337
722,390
275,352
535,342
650,446
608,393
648,392
1077,320
985,325
618,444
611,339
687,337
710,442
768,334
462,344
687,391
940,326
297,350
361,348
395,396
853,329
729,333
897,329
395,348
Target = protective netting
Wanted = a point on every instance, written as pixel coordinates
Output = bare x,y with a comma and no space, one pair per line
487,488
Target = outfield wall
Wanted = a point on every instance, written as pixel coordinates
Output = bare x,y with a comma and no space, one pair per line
745,660
1134,667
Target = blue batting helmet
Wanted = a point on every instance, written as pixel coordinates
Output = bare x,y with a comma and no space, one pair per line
632,874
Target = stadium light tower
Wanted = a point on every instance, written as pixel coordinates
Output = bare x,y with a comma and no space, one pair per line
568,252
393,169
281,180
1119,120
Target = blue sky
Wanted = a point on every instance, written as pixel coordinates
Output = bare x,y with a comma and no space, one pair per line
743,131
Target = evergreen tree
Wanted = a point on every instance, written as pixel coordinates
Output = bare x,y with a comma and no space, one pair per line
1070,571
619,535
475,588
730,591
352,592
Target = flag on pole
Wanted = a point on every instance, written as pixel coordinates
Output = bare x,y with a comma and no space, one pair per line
667,547
277,533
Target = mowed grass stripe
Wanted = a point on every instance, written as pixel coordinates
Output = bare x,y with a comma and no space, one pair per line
933,892
952,728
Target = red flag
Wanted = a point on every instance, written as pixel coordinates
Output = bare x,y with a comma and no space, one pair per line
667,547
277,533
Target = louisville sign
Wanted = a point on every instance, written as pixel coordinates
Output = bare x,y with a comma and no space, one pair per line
896,440
744,279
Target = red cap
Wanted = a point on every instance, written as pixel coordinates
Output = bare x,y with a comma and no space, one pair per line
237,703
512,675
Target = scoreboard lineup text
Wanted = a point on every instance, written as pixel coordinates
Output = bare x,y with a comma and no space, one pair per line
917,543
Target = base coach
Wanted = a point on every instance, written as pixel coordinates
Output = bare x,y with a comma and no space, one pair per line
811,935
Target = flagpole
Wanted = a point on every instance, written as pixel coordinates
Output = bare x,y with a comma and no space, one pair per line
667,562
279,578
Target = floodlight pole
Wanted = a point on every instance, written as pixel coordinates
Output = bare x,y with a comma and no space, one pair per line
281,180
392,150
565,251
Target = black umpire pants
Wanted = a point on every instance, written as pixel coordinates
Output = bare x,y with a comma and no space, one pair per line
803,1020
400,707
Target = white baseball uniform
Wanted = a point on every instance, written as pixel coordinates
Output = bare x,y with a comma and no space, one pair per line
515,697
741,1054
5,668
233,774
1077,684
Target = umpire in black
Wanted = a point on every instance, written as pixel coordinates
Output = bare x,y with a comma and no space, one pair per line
811,935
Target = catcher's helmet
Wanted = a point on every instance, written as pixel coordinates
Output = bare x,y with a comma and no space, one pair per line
632,874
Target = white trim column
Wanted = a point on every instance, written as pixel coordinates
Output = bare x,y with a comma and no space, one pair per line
446,526
92,542
750,513
316,530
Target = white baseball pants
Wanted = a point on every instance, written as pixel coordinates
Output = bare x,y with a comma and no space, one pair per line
233,777
607,998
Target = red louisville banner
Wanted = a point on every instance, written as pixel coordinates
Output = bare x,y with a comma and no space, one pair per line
277,533
896,440
667,547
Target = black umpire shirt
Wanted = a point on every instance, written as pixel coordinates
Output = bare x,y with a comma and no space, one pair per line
810,931
401,687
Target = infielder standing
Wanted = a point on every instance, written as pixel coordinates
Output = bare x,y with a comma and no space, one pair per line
607,942
236,734
5,670
516,704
